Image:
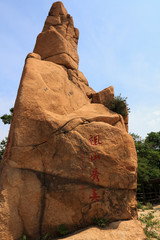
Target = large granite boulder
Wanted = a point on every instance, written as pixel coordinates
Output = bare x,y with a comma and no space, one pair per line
67,159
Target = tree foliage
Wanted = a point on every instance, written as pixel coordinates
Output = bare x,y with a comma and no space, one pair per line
2,147
153,139
6,119
148,152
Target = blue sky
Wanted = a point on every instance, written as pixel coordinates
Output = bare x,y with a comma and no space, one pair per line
119,45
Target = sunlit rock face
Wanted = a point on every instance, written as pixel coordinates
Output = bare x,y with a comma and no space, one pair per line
58,41
68,159
119,230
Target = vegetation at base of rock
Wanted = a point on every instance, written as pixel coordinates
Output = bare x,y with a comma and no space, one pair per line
63,230
139,205
148,152
148,206
6,118
45,236
150,225
24,237
119,105
100,222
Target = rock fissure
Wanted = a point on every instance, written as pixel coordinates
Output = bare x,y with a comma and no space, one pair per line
43,204
64,181
59,131
45,59
18,209
120,120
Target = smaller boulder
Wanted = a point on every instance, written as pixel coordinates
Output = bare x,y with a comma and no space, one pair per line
104,97
120,230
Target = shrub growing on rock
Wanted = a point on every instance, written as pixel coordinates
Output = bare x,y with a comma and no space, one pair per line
119,105
63,230
100,222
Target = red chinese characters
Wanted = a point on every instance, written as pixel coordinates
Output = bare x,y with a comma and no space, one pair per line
94,196
82,173
94,140
94,157
94,175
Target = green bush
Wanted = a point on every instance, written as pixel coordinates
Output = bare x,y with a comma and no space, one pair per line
45,237
24,237
101,222
63,230
150,225
139,205
119,105
148,206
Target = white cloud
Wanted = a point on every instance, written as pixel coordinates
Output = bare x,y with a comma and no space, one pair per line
154,122
157,113
144,120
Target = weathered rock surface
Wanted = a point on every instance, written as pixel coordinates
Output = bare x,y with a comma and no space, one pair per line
104,97
58,41
67,160
126,230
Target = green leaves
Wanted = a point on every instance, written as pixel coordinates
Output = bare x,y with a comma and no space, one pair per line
150,225
6,118
45,236
153,139
24,237
2,147
148,152
63,230
101,222
119,105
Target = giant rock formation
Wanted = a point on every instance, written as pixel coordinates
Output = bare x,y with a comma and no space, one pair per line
68,158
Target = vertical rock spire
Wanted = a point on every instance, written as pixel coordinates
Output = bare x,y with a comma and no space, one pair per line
59,38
